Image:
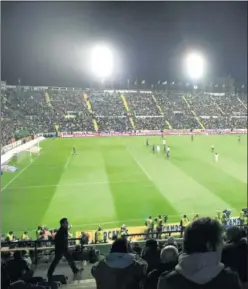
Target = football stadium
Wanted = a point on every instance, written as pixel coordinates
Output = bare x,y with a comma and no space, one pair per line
121,180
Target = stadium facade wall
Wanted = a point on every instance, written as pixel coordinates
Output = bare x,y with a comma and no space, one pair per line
156,132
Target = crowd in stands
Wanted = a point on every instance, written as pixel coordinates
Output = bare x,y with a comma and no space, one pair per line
30,111
207,259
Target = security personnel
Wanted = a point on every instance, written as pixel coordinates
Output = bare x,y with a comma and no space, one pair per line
150,225
155,228
159,226
38,231
196,217
123,232
99,235
242,217
184,223
218,217
224,219
10,237
24,236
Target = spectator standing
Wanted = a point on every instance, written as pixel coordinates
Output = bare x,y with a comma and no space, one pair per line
61,249
120,269
168,261
199,265
151,254
235,253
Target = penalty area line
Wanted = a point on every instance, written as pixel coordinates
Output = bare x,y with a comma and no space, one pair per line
139,164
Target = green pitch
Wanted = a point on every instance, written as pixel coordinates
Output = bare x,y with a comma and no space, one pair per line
119,180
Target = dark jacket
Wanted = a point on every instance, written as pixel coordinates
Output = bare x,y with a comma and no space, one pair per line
235,256
151,255
200,271
153,276
120,271
61,240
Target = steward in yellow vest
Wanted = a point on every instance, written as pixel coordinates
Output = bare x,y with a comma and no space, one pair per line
184,223
218,217
10,237
159,226
224,219
25,237
242,217
150,225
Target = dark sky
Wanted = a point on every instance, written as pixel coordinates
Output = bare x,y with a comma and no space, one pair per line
46,43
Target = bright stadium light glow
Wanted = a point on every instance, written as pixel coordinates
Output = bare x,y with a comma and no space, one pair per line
195,65
102,61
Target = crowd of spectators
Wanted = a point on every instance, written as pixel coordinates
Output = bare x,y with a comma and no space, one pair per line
208,259
27,112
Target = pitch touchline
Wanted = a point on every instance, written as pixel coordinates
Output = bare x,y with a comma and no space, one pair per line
78,184
17,175
125,221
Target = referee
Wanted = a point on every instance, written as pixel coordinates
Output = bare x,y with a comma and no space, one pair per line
61,249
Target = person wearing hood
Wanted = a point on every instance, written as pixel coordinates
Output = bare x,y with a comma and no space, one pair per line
235,253
151,254
168,261
199,266
120,269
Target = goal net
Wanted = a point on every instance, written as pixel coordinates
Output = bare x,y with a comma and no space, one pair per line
30,153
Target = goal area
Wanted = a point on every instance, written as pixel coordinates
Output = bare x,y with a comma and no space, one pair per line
30,153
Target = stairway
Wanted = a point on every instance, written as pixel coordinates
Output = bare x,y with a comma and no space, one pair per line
242,103
218,107
160,110
47,97
194,114
86,99
57,128
127,110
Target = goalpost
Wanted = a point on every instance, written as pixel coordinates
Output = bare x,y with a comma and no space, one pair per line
34,151
30,153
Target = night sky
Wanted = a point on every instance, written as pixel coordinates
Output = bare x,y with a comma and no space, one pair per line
48,43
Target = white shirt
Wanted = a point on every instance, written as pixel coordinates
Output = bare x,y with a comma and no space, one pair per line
164,142
168,149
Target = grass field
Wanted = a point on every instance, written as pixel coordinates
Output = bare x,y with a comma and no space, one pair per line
119,180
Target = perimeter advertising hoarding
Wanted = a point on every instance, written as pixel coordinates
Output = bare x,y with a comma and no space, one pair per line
173,228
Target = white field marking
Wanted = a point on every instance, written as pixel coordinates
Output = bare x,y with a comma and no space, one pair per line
128,221
139,164
78,184
68,161
17,175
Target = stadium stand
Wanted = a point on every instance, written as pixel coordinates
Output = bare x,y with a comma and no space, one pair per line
26,111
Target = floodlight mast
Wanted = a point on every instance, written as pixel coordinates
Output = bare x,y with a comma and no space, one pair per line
102,62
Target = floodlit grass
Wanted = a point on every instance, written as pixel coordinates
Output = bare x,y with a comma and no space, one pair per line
116,180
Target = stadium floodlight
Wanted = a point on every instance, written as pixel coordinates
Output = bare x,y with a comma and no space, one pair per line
195,65
102,61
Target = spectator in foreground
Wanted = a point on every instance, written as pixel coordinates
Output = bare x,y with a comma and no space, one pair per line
120,269
17,268
137,249
168,261
199,265
61,249
151,254
235,253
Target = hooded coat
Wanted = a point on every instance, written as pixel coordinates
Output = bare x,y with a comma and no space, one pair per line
200,271
120,271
